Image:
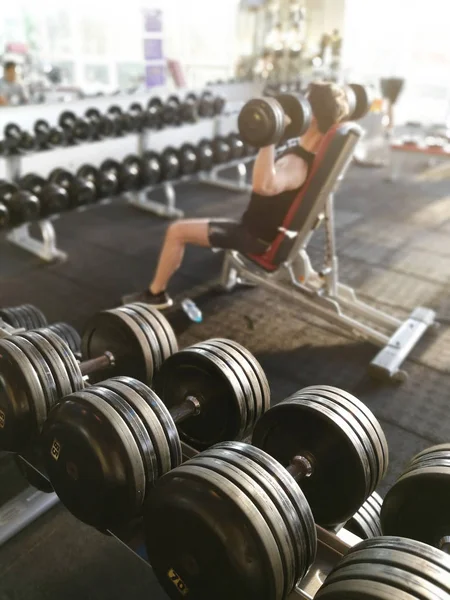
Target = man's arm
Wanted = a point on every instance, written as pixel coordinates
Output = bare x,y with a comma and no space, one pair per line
271,178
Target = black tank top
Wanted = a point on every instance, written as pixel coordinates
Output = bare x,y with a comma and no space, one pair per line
265,214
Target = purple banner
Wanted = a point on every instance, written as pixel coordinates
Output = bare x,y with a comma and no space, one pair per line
154,75
153,20
153,49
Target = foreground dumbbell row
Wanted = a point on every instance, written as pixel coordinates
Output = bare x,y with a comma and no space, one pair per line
34,197
117,122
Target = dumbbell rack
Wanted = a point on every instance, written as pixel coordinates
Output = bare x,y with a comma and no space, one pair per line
71,158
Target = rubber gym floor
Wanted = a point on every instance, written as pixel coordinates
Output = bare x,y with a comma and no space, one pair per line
394,248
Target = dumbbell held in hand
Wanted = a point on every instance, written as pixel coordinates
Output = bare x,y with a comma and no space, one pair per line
266,121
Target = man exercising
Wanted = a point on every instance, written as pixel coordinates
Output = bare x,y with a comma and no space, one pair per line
275,184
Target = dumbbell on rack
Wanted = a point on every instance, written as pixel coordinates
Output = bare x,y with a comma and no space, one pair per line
22,205
53,198
237,521
389,567
4,217
80,191
48,137
105,182
128,173
121,121
105,447
18,141
38,369
29,318
366,523
75,128
102,126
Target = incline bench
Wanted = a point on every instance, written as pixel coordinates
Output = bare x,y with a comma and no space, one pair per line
322,293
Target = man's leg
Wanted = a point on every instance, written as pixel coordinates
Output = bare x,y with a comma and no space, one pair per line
180,233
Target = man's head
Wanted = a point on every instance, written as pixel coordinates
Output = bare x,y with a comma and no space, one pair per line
329,105
9,71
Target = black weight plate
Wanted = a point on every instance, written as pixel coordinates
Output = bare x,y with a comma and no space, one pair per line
299,426
37,316
160,335
290,487
342,409
114,331
409,564
68,334
34,478
417,506
413,547
7,314
160,455
441,450
152,339
370,417
203,532
360,589
196,372
259,372
366,576
261,122
151,353
93,461
247,392
41,367
299,110
138,431
163,415
430,463
279,499
255,401
263,503
54,362
22,401
428,458
166,327
71,364
365,523
24,317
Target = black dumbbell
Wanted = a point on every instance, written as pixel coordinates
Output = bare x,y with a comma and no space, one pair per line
18,141
170,111
360,100
23,206
205,155
122,121
237,148
188,109
206,105
106,182
76,129
221,149
261,121
187,156
170,163
4,216
153,117
131,340
219,105
81,192
102,125
131,172
128,174
200,399
53,198
152,171
49,137
316,458
23,316
137,116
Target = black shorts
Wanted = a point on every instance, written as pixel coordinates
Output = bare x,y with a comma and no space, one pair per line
233,235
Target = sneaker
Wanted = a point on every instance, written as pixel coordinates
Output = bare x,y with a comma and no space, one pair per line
159,301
